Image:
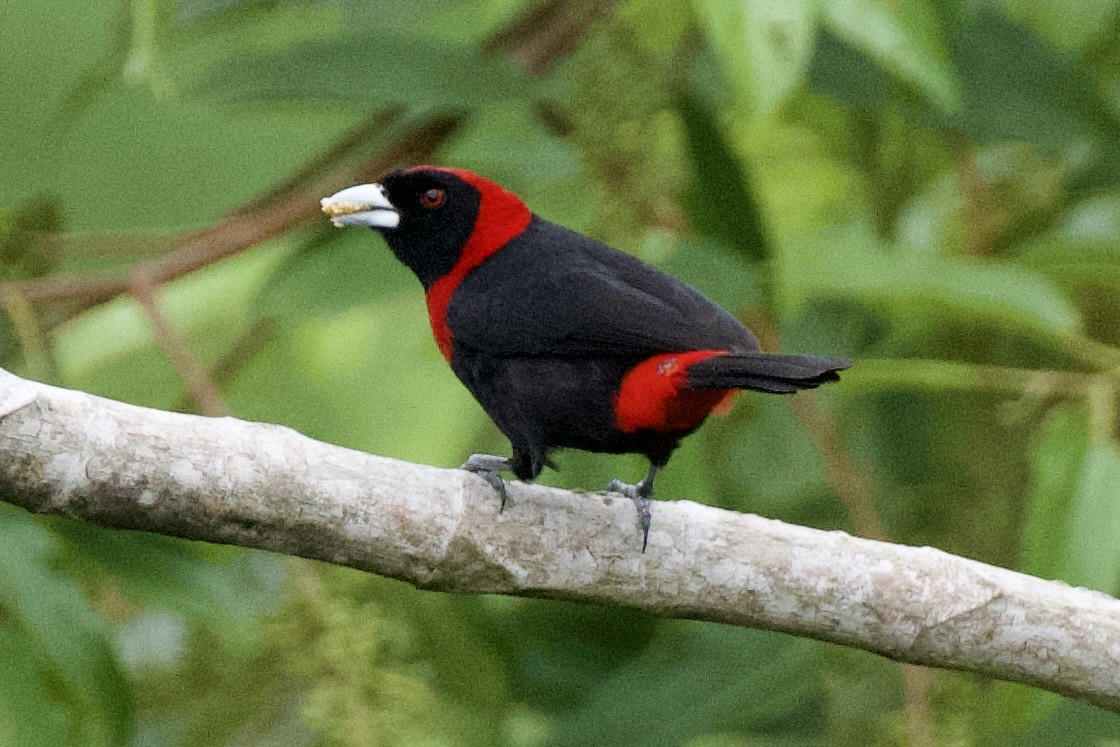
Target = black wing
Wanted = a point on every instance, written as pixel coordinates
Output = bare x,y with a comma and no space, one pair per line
552,291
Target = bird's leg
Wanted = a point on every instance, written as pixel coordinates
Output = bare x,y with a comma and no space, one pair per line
487,467
640,494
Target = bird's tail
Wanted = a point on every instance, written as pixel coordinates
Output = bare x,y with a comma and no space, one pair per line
765,372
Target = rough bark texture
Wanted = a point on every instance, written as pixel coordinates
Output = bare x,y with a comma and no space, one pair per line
266,486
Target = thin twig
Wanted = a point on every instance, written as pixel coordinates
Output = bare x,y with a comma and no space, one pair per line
981,218
844,477
177,349
547,32
847,480
33,343
241,353
198,249
916,682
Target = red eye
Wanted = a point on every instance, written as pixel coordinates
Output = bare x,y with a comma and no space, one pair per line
433,198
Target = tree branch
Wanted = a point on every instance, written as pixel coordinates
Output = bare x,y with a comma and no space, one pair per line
266,486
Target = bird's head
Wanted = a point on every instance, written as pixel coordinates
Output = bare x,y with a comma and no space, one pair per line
433,217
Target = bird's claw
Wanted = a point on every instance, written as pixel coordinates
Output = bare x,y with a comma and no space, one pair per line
640,496
487,467
627,489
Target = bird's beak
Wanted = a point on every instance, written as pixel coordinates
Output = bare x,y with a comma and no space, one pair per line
361,205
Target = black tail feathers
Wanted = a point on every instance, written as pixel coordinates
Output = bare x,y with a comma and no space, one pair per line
765,372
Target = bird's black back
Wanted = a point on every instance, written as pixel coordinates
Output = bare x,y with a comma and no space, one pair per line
553,292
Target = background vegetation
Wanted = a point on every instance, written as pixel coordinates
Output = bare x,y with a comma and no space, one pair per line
929,187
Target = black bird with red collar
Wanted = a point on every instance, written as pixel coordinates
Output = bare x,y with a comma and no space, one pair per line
564,341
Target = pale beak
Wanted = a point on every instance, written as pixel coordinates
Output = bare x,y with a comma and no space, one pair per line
361,205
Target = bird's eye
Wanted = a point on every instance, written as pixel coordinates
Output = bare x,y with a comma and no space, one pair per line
433,198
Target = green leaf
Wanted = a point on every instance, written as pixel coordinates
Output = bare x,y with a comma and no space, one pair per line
658,25
849,265
1082,256
368,70
500,140
68,640
105,70
1075,267
1093,554
470,22
1009,707
226,588
1073,517
765,46
841,71
718,200
904,36
1009,86
22,232
714,677
1071,723
556,652
777,482
1059,457
1070,26
27,714
334,271
1016,88
722,276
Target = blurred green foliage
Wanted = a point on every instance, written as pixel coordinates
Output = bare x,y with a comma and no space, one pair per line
931,188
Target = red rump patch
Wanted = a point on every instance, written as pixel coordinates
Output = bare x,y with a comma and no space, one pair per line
501,216
654,395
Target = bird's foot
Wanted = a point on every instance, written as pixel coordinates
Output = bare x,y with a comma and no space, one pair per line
639,493
487,467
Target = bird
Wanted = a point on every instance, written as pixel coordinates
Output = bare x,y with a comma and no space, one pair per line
564,341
